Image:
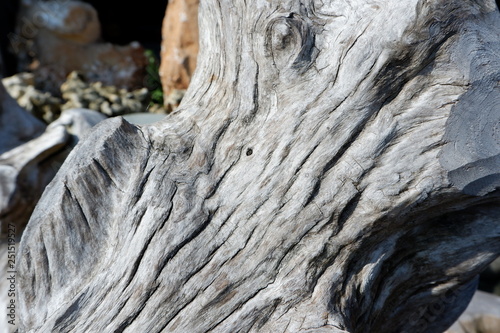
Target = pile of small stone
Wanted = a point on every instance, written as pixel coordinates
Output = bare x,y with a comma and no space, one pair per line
42,105
108,100
77,93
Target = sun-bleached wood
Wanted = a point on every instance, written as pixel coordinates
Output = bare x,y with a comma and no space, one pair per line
332,168
25,170
17,128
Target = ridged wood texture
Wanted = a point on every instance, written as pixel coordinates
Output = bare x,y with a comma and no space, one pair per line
332,168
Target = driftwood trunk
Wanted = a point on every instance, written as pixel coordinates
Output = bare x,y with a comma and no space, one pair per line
334,167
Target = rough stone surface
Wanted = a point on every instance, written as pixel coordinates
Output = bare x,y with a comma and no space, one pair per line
179,48
71,20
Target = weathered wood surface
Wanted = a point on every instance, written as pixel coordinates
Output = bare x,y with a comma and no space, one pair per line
25,170
17,128
23,175
333,167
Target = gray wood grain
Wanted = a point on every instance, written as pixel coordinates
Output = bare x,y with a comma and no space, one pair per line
307,183
25,170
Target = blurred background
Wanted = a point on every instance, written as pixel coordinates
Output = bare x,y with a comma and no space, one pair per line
121,24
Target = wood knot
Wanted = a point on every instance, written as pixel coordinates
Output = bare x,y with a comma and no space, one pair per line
290,42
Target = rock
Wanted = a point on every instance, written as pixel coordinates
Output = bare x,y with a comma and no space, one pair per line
108,100
42,105
179,45
77,92
65,36
15,84
73,21
481,316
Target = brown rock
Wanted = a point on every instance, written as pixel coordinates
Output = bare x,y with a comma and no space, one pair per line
64,36
180,44
120,66
70,20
